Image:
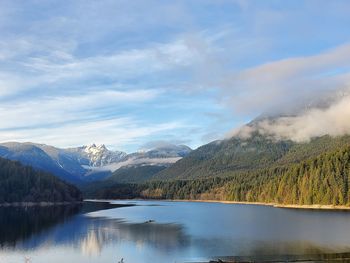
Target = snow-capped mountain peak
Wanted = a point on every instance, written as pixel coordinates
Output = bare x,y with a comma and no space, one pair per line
99,155
95,149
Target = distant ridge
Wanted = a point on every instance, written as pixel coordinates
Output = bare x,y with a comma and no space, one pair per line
87,163
226,157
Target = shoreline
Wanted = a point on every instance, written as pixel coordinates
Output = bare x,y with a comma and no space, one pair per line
42,204
275,205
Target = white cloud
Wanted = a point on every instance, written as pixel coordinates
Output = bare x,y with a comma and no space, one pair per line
45,111
57,68
310,93
134,161
281,85
80,119
314,122
50,95
116,133
51,52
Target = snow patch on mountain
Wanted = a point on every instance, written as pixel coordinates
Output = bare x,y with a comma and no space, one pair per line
99,155
86,162
161,156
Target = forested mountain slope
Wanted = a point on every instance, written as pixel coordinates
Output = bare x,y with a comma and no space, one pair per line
34,156
228,157
20,183
134,174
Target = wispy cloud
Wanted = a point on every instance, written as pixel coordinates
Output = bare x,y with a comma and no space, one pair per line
116,133
58,110
81,119
59,69
119,72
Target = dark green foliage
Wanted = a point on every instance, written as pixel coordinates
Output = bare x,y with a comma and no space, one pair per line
233,155
229,157
116,191
24,184
135,174
321,180
317,146
122,176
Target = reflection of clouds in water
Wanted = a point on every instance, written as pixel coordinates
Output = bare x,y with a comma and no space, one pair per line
139,245
101,232
90,235
90,245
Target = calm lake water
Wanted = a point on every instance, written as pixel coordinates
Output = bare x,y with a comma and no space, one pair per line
180,232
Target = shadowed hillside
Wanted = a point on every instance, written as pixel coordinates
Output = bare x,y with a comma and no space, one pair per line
24,184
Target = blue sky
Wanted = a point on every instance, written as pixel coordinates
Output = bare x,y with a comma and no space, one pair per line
127,73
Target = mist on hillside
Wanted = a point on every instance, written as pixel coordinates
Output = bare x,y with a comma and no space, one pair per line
333,120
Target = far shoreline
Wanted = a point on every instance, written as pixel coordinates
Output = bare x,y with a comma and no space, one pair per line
275,205
41,204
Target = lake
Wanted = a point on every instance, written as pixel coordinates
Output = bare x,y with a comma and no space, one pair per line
161,231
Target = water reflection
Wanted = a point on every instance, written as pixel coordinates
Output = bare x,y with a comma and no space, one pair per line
94,232
101,232
20,223
32,228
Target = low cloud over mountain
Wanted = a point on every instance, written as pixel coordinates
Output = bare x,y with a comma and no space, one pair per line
331,118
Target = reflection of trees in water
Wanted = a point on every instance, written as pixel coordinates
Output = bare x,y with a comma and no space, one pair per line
20,223
165,237
29,228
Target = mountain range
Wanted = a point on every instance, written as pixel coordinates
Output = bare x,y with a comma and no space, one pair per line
254,168
88,163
